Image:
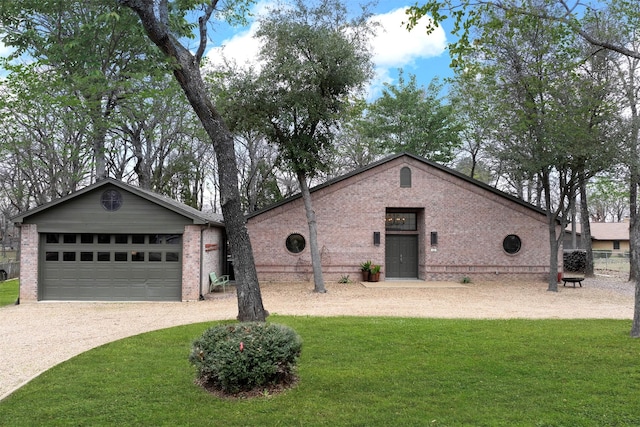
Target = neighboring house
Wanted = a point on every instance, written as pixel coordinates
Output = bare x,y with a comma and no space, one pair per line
420,220
112,241
606,236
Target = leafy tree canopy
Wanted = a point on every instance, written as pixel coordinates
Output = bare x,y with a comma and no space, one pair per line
413,119
314,58
575,16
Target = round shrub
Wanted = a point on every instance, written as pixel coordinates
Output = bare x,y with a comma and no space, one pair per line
246,356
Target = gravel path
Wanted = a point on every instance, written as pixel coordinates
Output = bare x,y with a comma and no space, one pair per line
36,336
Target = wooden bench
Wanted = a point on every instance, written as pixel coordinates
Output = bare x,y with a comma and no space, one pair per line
573,280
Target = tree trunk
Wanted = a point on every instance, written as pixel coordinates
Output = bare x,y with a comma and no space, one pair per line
574,233
634,238
633,218
586,227
553,254
99,135
634,243
552,218
187,73
316,261
141,168
250,306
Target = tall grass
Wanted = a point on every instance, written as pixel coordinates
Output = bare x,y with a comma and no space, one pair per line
361,372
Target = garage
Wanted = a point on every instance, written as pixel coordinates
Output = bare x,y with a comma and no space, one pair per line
115,242
111,267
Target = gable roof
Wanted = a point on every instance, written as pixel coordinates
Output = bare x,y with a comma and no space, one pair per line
394,157
198,217
608,230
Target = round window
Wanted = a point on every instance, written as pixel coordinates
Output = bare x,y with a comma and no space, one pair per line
295,243
512,244
111,200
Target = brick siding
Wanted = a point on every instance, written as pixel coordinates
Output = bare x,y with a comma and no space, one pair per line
471,223
29,263
191,273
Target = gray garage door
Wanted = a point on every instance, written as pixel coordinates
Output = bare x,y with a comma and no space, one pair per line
110,267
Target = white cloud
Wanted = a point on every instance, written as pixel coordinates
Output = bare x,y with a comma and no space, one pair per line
242,49
393,46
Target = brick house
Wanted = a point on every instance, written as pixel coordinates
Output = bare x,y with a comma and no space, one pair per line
418,219
113,241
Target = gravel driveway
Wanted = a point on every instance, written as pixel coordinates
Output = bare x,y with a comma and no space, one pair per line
36,336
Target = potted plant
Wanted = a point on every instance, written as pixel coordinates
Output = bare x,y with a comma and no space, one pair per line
365,267
374,272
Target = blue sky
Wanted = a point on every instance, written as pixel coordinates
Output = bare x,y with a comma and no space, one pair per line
394,47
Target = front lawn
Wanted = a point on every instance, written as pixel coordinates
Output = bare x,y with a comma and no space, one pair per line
361,372
9,292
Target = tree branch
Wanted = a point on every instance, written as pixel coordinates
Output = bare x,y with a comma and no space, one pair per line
610,46
461,8
202,23
157,28
566,19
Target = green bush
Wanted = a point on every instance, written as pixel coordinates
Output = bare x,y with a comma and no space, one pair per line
247,356
344,279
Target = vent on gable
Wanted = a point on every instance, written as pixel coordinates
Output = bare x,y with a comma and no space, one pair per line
405,177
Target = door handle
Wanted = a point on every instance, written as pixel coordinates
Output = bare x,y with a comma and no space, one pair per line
400,258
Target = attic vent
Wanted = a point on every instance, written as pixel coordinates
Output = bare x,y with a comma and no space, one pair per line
405,177
111,200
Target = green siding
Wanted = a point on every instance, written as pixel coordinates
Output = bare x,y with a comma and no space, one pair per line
85,214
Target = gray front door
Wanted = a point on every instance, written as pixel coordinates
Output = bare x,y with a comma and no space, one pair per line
401,258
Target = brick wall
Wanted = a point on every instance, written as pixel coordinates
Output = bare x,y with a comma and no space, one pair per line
28,263
191,274
471,223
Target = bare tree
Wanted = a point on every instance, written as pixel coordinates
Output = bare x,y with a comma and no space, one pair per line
44,153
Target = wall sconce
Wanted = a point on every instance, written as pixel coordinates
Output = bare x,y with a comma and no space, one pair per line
434,238
376,238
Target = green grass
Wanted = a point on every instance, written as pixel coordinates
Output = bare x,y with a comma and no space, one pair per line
361,372
9,291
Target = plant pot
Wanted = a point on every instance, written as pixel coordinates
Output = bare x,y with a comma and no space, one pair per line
374,277
365,276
